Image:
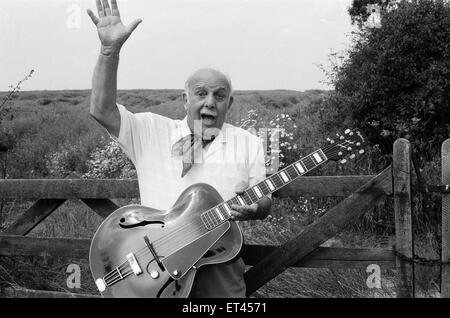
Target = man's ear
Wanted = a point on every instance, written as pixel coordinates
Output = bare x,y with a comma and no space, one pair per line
230,102
185,99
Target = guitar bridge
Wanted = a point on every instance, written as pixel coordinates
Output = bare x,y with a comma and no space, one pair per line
134,264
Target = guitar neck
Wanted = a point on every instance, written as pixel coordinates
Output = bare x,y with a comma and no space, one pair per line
222,212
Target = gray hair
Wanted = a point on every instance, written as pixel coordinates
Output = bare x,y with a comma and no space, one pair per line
188,81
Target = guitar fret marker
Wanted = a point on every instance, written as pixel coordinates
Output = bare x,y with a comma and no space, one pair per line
284,176
300,167
241,201
317,157
227,208
258,193
270,185
220,214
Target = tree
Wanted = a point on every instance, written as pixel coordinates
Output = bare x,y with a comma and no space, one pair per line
360,10
395,81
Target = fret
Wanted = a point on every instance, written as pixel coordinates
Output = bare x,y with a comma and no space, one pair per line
228,210
227,207
284,176
219,213
240,200
235,201
300,167
317,158
210,220
308,163
252,195
275,178
270,185
247,196
292,173
257,191
215,217
205,220
264,188
322,155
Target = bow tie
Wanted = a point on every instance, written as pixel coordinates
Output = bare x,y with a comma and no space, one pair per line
189,147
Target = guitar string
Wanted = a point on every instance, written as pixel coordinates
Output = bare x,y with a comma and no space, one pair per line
175,232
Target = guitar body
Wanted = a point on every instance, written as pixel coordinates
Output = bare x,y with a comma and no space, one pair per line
168,246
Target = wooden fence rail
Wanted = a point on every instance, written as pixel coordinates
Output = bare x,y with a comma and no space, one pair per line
360,192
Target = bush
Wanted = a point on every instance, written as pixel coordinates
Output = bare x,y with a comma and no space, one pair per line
109,161
395,81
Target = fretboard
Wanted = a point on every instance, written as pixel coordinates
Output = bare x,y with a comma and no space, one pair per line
222,212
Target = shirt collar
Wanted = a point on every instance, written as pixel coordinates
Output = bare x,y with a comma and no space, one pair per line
182,130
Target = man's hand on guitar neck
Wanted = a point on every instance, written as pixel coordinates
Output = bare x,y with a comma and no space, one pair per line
256,211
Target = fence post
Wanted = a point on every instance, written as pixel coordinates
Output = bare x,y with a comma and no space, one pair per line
445,272
403,219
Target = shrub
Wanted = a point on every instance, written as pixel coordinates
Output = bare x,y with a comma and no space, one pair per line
395,81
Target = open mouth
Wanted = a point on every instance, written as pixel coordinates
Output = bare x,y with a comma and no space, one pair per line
207,119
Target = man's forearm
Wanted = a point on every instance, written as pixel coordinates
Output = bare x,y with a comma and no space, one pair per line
104,83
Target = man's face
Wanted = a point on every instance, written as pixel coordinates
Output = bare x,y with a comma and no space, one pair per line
209,100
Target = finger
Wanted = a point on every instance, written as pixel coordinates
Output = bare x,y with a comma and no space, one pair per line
101,12
133,25
236,216
106,7
114,8
235,207
93,17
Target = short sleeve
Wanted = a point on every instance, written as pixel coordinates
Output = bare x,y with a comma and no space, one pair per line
137,132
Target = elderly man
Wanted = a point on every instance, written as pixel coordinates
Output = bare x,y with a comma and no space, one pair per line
171,155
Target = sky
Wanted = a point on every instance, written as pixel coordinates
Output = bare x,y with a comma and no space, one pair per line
260,44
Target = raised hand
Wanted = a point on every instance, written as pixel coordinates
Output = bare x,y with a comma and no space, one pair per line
111,31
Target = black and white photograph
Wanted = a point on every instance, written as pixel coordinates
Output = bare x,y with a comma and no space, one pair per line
225,153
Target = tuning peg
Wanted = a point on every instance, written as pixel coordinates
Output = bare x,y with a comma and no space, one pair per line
343,161
340,153
342,137
349,148
352,156
361,151
347,131
351,133
358,144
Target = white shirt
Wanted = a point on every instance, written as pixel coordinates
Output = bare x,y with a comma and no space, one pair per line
234,161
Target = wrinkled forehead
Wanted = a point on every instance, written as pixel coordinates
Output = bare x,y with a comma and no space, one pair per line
209,79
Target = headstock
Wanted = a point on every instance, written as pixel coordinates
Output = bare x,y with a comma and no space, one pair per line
350,144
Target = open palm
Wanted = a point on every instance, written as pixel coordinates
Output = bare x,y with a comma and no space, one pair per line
111,31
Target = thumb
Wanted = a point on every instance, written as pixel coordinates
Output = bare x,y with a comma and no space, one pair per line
240,187
133,25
